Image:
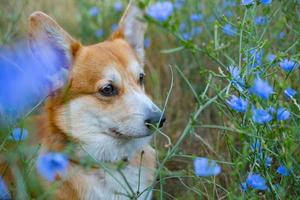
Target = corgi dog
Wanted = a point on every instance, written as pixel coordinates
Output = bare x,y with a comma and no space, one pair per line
102,110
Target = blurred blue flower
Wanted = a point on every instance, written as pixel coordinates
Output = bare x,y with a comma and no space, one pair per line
229,30
179,4
228,13
205,167
186,36
118,6
247,2
237,104
94,11
196,31
288,65
269,161
256,182
281,35
196,17
160,11
261,88
289,93
282,170
261,20
18,134
4,193
114,27
260,116
147,42
265,2
271,58
237,80
51,164
283,114
99,32
244,187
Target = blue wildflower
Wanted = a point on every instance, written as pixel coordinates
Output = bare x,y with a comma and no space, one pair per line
118,6
228,13
179,4
237,80
282,170
256,182
268,161
261,88
229,30
18,134
114,27
288,65
99,33
260,20
4,193
265,2
186,36
289,93
247,2
94,11
196,17
244,187
237,104
261,116
281,35
271,58
160,11
283,114
147,42
205,167
51,164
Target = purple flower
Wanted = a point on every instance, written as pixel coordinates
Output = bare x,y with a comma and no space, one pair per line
256,182
205,167
160,11
260,20
282,170
247,2
4,193
196,17
99,32
265,2
118,6
147,42
237,104
18,134
51,164
283,114
94,11
288,65
261,116
261,88
271,58
289,93
229,30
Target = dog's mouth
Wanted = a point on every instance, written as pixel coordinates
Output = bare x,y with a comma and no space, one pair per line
118,134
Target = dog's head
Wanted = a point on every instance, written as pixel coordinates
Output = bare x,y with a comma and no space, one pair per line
104,105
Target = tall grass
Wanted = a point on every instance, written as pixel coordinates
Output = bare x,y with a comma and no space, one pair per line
193,74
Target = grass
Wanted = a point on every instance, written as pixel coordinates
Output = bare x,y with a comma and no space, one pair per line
190,79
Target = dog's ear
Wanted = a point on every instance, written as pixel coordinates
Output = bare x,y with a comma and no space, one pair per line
53,47
132,28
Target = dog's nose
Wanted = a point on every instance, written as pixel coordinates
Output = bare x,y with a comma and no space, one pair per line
154,119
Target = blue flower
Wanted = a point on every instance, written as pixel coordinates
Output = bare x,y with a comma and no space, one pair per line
256,182
118,6
228,13
281,35
186,36
237,104
147,42
260,20
179,4
260,116
261,88
99,32
51,164
271,58
161,11
18,134
4,193
244,187
289,93
283,114
196,17
114,27
229,30
266,2
269,161
288,65
94,11
205,167
282,170
237,80
247,2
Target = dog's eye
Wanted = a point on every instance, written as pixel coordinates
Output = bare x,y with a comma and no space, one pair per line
142,78
108,90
